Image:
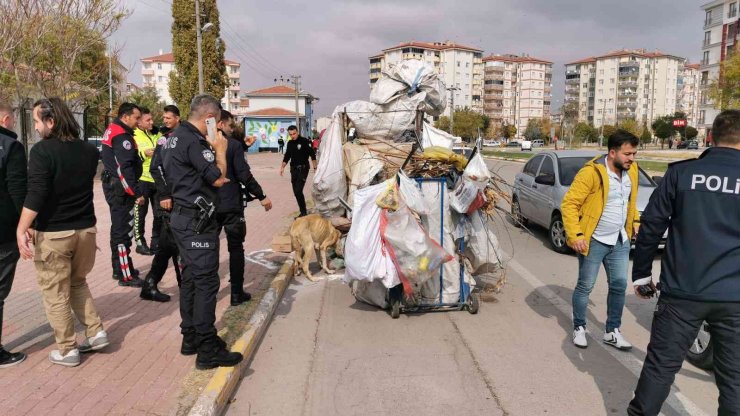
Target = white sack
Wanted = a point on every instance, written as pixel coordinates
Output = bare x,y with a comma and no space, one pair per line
411,194
435,137
481,246
329,182
387,122
372,293
415,79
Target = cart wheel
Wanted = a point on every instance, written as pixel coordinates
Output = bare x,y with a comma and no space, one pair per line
473,303
395,309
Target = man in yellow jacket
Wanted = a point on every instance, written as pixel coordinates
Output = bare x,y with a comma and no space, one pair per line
600,217
146,141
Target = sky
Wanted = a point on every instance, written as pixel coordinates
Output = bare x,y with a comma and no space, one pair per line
328,42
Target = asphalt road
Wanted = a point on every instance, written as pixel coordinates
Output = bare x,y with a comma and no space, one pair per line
327,354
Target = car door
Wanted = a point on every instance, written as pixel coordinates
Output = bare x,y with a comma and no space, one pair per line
542,195
525,182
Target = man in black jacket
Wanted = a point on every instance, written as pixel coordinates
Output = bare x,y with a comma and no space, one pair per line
12,194
699,199
230,212
298,151
120,179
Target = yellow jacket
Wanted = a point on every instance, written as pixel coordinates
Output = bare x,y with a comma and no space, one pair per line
145,141
584,202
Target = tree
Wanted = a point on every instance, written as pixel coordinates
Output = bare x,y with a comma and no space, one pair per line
725,92
691,132
148,97
494,131
466,123
646,138
534,130
584,132
184,81
508,131
630,125
663,128
443,123
608,130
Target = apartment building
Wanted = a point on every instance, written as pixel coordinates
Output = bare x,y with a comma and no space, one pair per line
155,71
721,36
460,67
624,84
516,89
687,100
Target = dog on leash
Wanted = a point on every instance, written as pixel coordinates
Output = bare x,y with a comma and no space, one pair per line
312,232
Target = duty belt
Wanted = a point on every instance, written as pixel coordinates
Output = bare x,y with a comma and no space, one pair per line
188,212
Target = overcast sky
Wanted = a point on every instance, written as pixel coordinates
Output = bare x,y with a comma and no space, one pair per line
328,42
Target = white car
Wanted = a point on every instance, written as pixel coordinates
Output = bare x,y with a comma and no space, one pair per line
526,145
491,143
538,143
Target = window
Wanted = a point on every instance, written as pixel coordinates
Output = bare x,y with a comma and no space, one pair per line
707,37
458,64
467,64
531,167
601,72
547,168
147,66
708,18
159,78
705,58
733,10
159,66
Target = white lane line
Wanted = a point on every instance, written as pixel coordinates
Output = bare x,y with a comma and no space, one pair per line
675,400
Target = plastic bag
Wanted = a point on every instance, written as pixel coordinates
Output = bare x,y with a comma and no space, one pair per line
411,195
431,136
416,256
329,182
466,195
389,199
477,171
482,247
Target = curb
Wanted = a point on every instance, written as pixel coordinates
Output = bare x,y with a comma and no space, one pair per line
213,399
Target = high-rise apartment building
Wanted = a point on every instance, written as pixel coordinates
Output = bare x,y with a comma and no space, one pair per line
460,67
721,35
687,100
516,89
624,84
155,72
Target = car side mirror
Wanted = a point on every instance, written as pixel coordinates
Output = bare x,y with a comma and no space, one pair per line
545,179
657,179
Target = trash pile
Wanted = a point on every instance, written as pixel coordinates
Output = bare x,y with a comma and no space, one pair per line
418,210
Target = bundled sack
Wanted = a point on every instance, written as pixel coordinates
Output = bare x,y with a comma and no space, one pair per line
360,166
411,78
329,182
386,122
481,246
432,136
469,195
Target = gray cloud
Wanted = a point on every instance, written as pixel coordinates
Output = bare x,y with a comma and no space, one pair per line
328,42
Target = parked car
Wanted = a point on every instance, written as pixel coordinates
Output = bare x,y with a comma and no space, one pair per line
693,144
701,353
526,145
541,185
491,143
538,143
513,143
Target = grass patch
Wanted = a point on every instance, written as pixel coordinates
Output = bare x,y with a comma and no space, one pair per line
653,166
509,155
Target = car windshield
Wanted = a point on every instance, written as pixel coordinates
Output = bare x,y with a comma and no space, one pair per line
569,167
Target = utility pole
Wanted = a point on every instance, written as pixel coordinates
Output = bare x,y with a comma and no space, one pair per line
452,108
110,81
603,121
199,41
297,85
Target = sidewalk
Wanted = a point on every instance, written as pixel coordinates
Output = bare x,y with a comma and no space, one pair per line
141,371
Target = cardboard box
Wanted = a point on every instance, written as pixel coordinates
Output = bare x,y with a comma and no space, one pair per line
281,244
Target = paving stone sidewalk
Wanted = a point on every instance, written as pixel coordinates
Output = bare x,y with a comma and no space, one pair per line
141,371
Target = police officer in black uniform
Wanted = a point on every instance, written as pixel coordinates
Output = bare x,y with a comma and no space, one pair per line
195,166
166,249
230,212
298,151
120,179
699,199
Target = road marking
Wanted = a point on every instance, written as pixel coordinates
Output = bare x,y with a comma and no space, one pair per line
675,400
258,257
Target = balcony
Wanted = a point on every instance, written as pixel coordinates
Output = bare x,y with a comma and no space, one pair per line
234,75
627,93
627,104
630,73
493,87
572,81
146,72
626,114
235,87
628,83
571,99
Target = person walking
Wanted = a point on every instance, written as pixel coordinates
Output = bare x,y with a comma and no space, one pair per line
58,218
298,151
12,194
120,180
230,212
195,167
600,217
281,144
167,248
146,141
697,201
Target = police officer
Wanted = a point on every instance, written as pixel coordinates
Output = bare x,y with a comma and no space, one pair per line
699,199
230,212
122,169
195,166
166,249
298,151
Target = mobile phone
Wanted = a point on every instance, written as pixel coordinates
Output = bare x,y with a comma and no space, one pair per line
646,290
211,127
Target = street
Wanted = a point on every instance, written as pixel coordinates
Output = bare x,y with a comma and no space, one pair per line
327,354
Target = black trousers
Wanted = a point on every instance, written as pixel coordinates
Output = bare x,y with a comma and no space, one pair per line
236,231
200,281
164,251
676,323
121,229
150,198
298,176
9,256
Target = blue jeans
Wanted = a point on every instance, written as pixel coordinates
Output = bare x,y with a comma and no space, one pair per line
615,259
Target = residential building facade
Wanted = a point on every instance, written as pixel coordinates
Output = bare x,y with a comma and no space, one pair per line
271,111
460,67
687,100
721,36
624,84
155,71
516,89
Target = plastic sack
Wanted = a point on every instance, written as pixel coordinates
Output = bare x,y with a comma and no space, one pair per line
466,197
477,171
411,194
482,247
364,256
416,256
389,198
411,78
445,155
329,182
431,136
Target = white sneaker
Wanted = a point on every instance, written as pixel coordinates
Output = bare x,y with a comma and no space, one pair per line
579,337
616,340
72,359
96,343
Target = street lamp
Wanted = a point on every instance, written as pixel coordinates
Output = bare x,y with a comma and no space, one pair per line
199,40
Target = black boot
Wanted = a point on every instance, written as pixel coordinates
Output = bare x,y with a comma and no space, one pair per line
212,353
150,291
143,249
239,296
9,359
188,346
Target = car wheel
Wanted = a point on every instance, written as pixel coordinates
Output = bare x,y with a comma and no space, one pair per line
701,353
516,214
556,233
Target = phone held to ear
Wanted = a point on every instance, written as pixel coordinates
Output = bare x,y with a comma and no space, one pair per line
211,127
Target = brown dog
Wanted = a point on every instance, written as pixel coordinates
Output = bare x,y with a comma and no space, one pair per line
312,232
